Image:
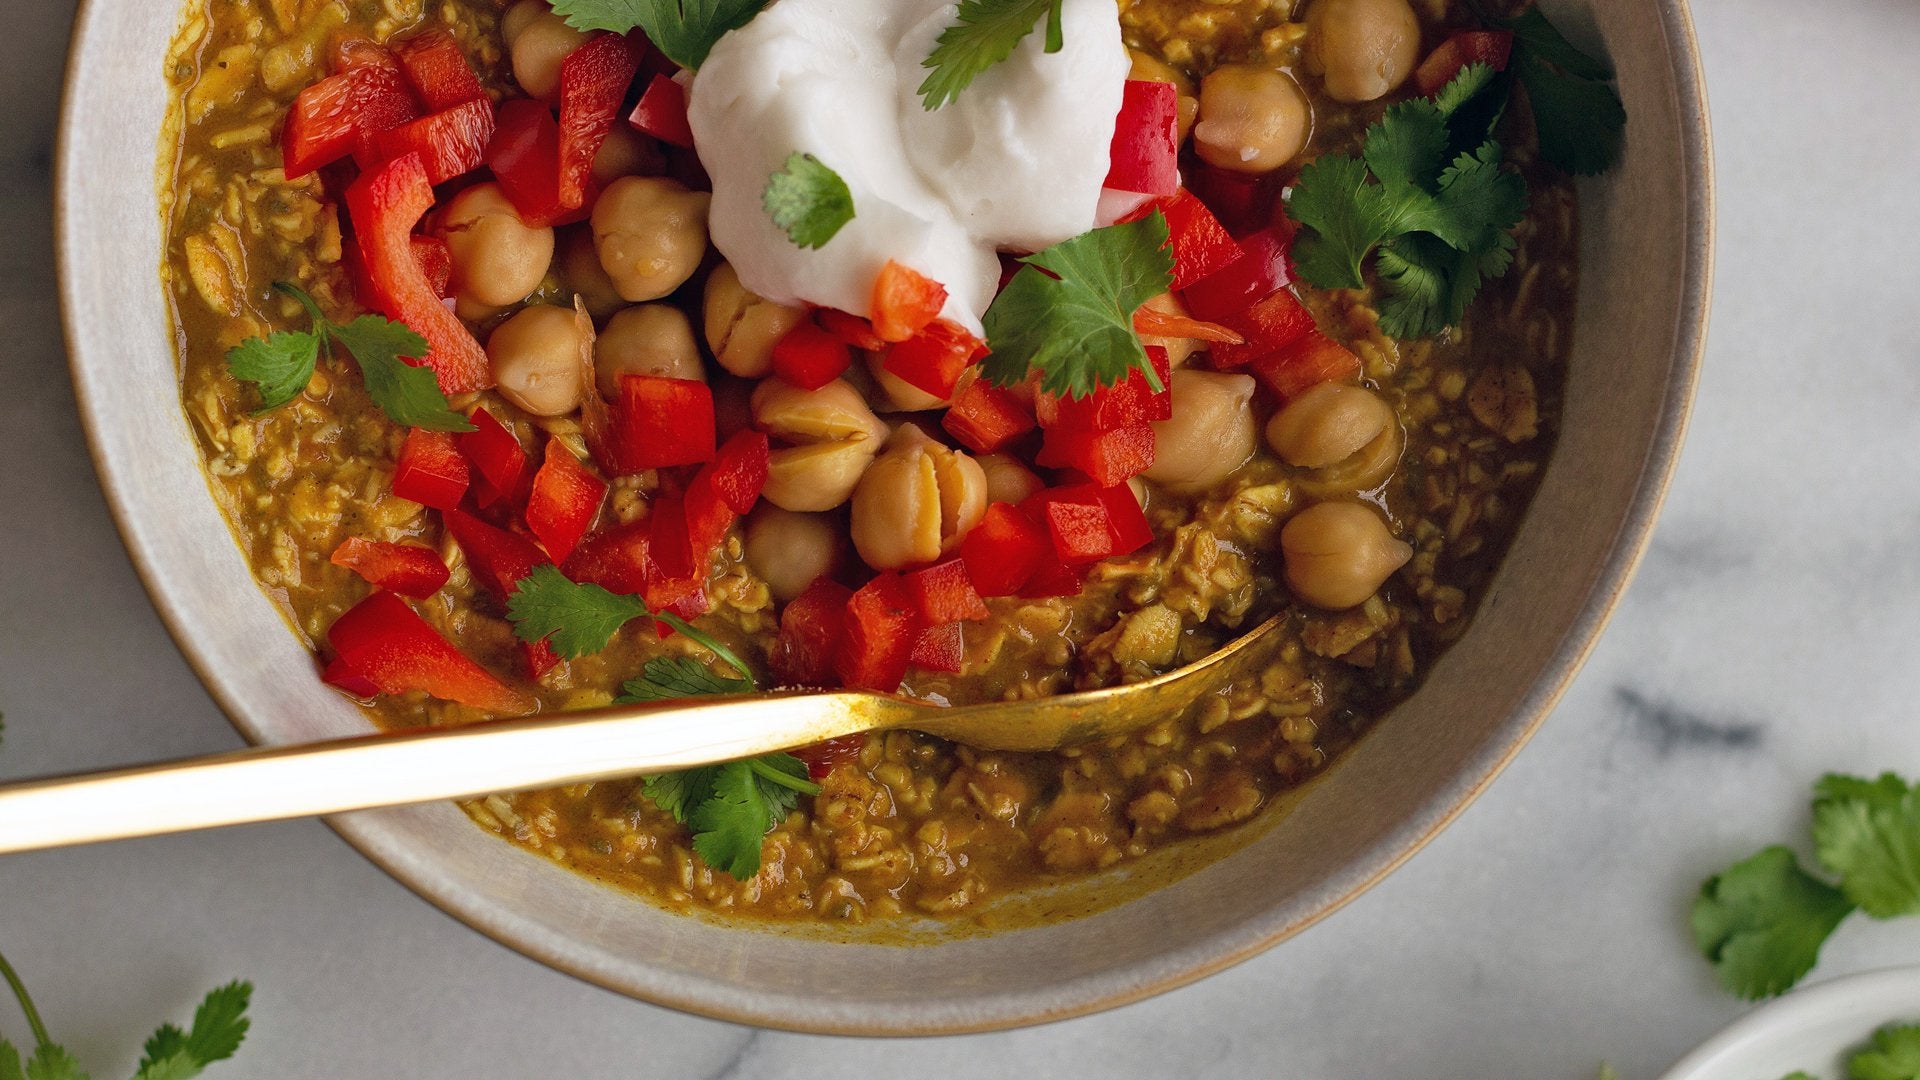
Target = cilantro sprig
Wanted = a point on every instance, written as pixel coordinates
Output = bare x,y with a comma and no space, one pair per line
685,30
580,618
1068,313
219,1026
1762,921
983,33
1578,115
281,364
808,201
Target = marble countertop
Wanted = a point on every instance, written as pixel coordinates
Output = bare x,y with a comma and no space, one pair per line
1768,638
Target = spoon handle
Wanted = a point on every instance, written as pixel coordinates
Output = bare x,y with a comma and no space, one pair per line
422,765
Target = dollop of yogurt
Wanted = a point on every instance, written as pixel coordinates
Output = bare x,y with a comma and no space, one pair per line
1016,162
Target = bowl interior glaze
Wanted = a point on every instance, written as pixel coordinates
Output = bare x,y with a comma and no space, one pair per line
1645,270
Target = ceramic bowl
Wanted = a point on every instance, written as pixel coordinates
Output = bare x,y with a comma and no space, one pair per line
1815,1029
1642,306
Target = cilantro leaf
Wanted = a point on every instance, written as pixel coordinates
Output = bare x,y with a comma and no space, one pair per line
748,798
1893,1055
1578,115
665,678
678,793
280,365
1069,311
1532,31
1761,922
10,1062
1868,832
407,393
50,1061
573,618
809,201
983,33
685,30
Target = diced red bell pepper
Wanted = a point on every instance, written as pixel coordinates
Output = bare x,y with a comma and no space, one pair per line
1128,403
384,204
1055,578
740,469
431,470
1260,270
810,357
1306,363
660,422
673,547
1004,550
525,157
338,674
1127,523
813,627
593,85
327,121
438,70
944,593
1152,322
498,560
349,52
1076,521
407,569
619,559
940,648
905,301
564,501
1242,203
1106,457
1267,327
882,629
1454,55
822,757
496,456
1201,245
986,417
1146,140
851,329
450,143
932,359
382,641
662,113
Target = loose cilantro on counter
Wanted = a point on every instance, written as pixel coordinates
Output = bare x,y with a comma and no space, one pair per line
983,33
219,1026
1068,313
1894,1054
282,363
809,201
685,30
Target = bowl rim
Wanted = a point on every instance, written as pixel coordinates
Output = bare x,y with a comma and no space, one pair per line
1859,996
1512,735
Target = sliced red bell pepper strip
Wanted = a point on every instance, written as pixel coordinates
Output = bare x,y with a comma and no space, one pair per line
382,641
986,417
496,455
1201,245
740,469
822,757
407,569
1260,270
1128,403
660,422
944,593
940,648
1306,363
1126,522
450,143
385,204
327,121
1152,322
1454,55
1146,140
813,627
431,470
851,329
810,357
525,157
933,358
499,559
593,85
564,501
1004,550
905,301
339,674
1267,327
1105,457
437,70
1055,578
431,252
882,629
662,113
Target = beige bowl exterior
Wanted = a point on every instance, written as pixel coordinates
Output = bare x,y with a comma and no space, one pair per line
1645,271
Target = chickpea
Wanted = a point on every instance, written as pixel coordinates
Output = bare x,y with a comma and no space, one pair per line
900,395
1327,424
816,476
1008,481
646,339
1179,350
917,502
497,258
1210,434
830,436
742,328
626,153
1337,554
790,551
580,266
539,45
518,17
651,234
536,359
1150,68
1253,119
1363,48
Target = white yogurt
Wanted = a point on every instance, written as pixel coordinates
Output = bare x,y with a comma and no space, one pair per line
1016,162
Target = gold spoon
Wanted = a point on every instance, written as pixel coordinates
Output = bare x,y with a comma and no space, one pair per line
426,765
